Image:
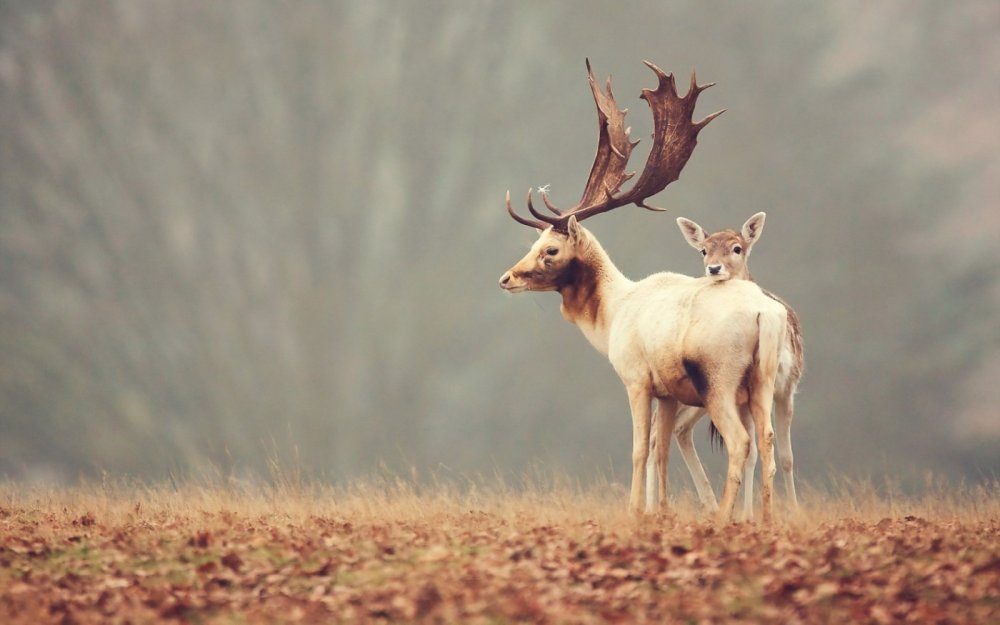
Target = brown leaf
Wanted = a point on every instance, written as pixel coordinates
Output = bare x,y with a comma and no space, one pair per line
678,550
232,561
428,599
992,566
324,569
86,520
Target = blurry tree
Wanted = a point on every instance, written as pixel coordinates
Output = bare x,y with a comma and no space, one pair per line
232,231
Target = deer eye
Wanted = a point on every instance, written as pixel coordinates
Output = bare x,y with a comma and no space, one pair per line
704,252
552,251
737,249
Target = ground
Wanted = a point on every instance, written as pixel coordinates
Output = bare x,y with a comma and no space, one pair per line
391,552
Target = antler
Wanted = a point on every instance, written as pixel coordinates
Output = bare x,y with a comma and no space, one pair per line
674,138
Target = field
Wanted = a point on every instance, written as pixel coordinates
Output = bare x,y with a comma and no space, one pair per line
388,551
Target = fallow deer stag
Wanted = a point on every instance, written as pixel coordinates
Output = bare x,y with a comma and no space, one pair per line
670,337
726,255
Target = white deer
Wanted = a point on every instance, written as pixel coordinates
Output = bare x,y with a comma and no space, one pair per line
669,337
726,255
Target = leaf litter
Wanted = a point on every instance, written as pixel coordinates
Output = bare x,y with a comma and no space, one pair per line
226,560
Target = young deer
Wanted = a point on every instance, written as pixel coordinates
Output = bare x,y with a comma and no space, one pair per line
726,254
669,337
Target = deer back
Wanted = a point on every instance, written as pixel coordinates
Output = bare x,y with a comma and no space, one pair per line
679,333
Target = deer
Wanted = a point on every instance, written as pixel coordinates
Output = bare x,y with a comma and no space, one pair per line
726,257
670,337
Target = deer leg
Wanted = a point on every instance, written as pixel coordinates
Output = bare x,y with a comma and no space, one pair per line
683,432
784,410
639,400
761,401
651,480
667,412
748,469
726,418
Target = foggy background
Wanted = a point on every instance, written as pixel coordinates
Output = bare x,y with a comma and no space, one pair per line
235,232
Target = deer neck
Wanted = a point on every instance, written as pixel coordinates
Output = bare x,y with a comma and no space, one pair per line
591,293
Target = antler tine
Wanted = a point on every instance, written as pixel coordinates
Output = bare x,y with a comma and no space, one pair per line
548,204
545,218
655,209
523,220
708,118
695,87
665,79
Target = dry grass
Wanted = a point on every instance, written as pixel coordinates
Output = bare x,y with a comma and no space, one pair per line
543,500
543,550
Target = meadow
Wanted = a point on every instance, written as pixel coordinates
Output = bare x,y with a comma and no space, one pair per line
388,550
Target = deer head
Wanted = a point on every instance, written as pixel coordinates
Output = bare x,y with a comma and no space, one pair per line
725,252
547,265
550,262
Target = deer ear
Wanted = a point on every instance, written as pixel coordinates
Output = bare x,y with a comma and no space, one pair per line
693,233
752,229
574,230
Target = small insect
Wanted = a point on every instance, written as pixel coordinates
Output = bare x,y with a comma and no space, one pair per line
543,188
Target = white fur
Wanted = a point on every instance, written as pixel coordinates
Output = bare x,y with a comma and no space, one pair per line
785,385
648,328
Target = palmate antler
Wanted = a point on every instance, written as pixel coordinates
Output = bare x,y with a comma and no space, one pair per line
674,138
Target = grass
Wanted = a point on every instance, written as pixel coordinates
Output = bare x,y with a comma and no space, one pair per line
552,500
546,550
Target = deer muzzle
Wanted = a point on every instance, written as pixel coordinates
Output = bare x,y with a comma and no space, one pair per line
512,283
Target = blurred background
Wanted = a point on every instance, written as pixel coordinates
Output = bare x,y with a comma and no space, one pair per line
235,233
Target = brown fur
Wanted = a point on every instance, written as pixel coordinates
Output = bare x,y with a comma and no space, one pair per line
581,291
794,336
720,245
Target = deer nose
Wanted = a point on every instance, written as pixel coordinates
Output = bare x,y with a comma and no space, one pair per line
504,279
714,269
